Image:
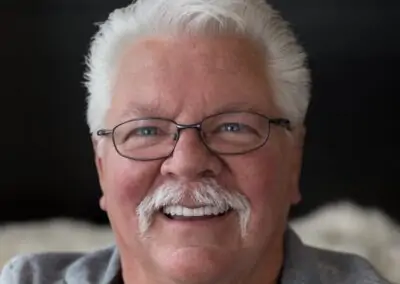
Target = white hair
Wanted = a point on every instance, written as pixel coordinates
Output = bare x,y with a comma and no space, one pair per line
206,192
255,19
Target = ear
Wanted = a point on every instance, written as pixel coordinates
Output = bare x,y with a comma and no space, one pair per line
297,162
98,158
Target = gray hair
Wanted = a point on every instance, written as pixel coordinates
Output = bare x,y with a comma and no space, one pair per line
255,19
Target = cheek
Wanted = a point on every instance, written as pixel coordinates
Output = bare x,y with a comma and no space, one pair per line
260,175
127,181
263,178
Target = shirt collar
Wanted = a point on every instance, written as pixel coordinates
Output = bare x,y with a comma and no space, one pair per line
300,262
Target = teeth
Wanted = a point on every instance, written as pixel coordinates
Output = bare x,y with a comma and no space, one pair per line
177,210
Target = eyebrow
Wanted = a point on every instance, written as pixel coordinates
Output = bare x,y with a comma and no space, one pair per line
136,110
238,106
132,111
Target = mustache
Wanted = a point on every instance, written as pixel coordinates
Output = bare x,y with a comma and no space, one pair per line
206,192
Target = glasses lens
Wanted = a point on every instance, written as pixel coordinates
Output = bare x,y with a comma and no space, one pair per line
234,133
145,138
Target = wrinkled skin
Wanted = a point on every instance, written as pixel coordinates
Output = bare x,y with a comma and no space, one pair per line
187,79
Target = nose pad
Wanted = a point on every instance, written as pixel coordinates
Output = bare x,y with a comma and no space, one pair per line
191,158
181,127
195,127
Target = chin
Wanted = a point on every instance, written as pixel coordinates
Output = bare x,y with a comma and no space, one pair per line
196,264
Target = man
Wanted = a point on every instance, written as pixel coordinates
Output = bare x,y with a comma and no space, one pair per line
196,111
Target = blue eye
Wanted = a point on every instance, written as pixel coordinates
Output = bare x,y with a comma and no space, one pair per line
232,127
145,131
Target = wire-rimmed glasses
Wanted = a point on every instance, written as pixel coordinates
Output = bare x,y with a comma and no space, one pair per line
229,133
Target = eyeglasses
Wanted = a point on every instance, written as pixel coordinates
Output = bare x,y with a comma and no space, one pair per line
230,133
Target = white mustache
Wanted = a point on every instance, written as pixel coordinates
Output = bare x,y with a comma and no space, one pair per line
206,192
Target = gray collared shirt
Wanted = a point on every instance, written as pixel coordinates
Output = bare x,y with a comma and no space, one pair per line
302,265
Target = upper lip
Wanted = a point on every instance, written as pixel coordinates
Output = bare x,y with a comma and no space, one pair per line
188,202
190,206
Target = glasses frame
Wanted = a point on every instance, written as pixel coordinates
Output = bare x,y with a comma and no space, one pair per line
281,122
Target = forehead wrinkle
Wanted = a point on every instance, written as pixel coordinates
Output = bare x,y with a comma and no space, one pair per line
241,106
135,110
159,56
166,74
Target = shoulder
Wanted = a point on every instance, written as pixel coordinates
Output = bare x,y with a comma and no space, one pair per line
34,268
337,267
57,267
307,264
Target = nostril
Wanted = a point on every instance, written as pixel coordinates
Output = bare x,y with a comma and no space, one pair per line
208,174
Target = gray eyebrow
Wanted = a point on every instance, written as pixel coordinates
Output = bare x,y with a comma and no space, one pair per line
238,106
134,110
137,110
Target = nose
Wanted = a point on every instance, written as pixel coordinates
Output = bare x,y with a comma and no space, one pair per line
191,160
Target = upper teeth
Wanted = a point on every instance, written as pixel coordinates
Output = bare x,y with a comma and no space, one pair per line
178,210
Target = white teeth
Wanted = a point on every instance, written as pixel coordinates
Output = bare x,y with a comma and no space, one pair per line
177,210
215,211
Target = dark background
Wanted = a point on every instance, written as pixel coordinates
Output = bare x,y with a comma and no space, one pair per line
351,150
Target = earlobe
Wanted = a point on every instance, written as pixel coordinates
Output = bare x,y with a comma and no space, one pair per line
296,198
99,166
100,170
103,203
295,184
297,165
97,157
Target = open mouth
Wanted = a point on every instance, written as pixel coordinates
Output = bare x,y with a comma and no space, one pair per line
178,212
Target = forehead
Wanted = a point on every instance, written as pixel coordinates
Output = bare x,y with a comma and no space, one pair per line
202,75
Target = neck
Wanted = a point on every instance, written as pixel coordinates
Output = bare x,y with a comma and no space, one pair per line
265,269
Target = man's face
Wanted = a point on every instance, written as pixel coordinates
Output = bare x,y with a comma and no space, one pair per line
187,80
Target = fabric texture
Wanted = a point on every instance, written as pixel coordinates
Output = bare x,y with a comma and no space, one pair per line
303,265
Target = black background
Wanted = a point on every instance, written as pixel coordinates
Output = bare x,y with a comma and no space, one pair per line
351,151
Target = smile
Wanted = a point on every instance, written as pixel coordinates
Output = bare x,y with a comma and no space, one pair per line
178,212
